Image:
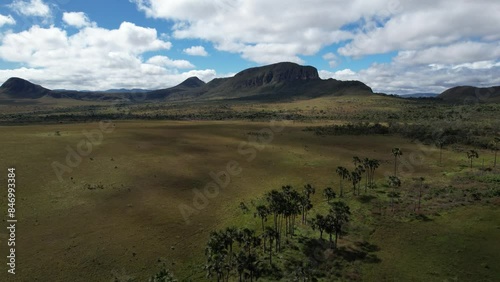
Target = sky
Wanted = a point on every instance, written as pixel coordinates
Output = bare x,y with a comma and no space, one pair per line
394,46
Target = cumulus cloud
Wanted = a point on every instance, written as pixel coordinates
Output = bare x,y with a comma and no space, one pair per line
437,42
196,51
94,58
331,58
35,8
396,78
77,19
5,20
255,30
462,52
164,61
417,26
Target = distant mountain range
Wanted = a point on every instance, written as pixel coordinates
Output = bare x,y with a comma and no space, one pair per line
420,95
272,82
276,82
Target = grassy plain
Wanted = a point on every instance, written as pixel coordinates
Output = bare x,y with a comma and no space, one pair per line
117,214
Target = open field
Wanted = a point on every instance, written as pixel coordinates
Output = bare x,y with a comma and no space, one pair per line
117,212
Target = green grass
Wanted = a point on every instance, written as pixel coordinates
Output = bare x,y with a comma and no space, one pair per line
147,168
460,245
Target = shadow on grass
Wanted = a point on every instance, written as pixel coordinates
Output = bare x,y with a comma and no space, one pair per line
366,198
351,254
422,217
320,251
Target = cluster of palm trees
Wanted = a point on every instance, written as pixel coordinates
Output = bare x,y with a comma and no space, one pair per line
284,206
223,261
364,166
333,222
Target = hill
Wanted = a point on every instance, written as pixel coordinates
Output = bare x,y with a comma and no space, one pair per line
18,88
462,93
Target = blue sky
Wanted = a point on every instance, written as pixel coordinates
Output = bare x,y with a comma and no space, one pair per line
394,46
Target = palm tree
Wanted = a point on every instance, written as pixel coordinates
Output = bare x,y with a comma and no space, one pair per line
275,201
356,161
262,212
471,155
393,182
246,238
329,194
229,237
355,178
319,222
496,140
366,167
373,164
308,190
397,153
329,227
216,265
420,192
241,263
339,214
216,253
343,173
306,203
359,170
440,143
271,235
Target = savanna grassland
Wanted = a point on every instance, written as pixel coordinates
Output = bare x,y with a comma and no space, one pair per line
114,214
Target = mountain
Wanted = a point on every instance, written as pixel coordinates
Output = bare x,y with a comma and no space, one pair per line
192,82
281,81
18,88
464,93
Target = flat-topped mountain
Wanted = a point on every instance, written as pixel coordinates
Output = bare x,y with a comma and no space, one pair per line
271,82
462,93
279,81
274,74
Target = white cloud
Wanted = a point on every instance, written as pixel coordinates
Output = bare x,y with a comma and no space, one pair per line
397,78
4,20
164,61
77,19
94,58
254,28
35,8
196,51
331,58
462,52
423,24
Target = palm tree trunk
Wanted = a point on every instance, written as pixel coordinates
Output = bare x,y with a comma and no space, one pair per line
341,190
395,166
336,239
